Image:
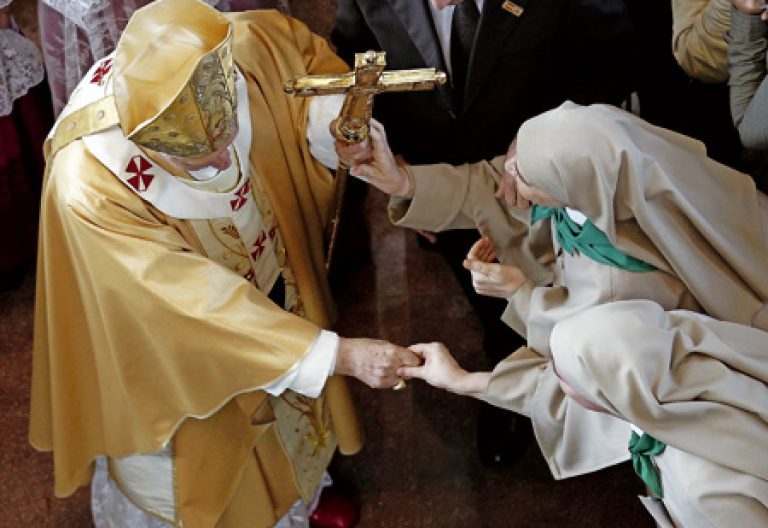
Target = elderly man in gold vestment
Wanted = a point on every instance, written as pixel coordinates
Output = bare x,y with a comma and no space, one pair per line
180,362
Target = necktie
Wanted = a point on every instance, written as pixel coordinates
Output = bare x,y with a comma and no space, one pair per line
463,30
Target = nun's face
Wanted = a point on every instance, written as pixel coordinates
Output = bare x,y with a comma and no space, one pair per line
518,192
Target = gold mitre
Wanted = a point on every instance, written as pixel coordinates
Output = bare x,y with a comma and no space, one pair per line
174,78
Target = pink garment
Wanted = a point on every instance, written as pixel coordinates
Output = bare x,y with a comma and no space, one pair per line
9,140
21,174
25,117
76,33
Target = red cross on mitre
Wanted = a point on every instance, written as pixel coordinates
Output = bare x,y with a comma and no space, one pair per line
101,72
138,166
259,246
241,197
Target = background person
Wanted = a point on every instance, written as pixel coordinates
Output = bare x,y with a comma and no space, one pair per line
748,88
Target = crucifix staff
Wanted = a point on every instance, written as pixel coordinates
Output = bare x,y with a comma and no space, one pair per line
360,85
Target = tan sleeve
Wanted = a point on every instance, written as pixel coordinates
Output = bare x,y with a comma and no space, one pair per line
443,197
748,82
572,439
698,38
518,307
515,379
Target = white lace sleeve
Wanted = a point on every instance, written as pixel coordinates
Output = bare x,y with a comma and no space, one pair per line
80,11
21,67
76,33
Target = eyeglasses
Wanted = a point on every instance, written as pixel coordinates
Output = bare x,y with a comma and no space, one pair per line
518,174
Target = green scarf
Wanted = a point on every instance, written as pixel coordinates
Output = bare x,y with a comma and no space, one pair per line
587,239
642,449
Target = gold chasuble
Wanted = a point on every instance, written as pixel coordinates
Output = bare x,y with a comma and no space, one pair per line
150,325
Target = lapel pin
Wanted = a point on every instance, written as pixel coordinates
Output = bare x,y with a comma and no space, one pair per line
511,7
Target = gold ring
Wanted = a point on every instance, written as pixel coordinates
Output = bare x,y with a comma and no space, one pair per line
400,385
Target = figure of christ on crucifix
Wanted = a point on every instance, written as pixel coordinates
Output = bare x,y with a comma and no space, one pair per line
352,126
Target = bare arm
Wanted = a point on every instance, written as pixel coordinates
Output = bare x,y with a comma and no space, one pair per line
441,370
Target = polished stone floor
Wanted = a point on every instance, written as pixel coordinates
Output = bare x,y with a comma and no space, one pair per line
419,467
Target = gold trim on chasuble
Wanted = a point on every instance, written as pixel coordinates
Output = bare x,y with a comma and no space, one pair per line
305,428
176,521
303,424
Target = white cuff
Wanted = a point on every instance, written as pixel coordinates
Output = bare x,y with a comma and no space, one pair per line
308,376
322,110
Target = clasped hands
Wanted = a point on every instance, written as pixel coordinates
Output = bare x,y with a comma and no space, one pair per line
490,277
375,362
381,365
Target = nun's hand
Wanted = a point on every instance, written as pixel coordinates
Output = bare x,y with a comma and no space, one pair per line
441,370
383,170
489,277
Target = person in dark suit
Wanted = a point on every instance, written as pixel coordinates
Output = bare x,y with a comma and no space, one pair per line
527,58
507,61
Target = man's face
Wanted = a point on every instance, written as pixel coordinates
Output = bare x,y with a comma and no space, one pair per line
442,4
219,159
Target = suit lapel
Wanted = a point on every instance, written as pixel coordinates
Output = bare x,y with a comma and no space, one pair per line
495,30
415,17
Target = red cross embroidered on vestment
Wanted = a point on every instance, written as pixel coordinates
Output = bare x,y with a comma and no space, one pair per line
101,72
139,166
241,197
259,246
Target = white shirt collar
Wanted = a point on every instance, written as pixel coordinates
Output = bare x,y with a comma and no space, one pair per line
442,19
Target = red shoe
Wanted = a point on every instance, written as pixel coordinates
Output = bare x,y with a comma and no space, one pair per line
334,510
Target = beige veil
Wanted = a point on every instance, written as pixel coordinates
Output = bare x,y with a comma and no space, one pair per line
639,183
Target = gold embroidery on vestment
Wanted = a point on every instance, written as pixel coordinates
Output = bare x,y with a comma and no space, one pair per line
231,231
238,249
313,409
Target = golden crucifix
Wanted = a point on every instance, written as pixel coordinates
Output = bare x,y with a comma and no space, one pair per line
360,85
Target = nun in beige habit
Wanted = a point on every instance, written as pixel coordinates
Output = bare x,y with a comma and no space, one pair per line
622,211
